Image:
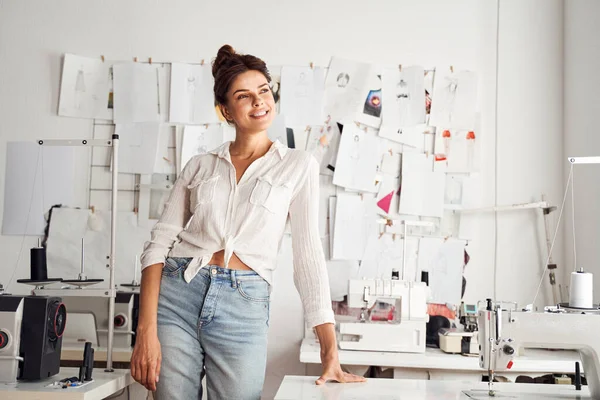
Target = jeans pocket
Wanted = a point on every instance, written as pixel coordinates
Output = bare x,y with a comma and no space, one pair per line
256,290
174,265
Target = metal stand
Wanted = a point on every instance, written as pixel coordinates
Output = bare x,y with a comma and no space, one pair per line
114,143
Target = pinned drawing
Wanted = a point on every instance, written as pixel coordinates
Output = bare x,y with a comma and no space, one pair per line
456,151
302,98
446,137
470,149
136,93
454,99
346,88
357,160
79,88
342,80
84,88
192,98
199,140
403,97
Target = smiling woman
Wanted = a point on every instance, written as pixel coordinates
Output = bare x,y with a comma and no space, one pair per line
208,269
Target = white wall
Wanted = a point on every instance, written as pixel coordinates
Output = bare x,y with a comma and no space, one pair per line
529,140
581,80
35,34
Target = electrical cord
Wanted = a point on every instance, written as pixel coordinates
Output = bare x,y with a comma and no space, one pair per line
562,207
113,396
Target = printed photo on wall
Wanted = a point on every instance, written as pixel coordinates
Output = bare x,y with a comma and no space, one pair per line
428,76
275,71
370,112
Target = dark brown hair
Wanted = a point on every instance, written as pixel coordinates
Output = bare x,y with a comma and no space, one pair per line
230,64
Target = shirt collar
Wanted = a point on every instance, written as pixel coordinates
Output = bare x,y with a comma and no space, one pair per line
223,150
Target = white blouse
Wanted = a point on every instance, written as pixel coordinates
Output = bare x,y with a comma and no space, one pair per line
208,211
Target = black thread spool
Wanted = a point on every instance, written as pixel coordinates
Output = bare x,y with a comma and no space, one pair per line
38,265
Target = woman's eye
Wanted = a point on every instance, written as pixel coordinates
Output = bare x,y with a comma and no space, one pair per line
242,96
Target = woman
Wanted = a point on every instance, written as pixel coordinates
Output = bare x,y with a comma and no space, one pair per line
207,270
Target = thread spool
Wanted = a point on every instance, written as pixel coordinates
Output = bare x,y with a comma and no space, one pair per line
581,290
38,266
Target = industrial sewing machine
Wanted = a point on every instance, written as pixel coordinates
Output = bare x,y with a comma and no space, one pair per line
82,309
393,316
503,332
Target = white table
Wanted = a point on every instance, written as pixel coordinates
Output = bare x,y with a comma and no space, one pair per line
304,388
104,385
436,365
76,354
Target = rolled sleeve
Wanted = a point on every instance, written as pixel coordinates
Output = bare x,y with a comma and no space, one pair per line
310,269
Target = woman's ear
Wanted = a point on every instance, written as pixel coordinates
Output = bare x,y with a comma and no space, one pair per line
225,113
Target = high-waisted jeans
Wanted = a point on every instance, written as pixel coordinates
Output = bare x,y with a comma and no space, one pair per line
215,325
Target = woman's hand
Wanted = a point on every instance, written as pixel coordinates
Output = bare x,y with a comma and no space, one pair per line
146,359
332,371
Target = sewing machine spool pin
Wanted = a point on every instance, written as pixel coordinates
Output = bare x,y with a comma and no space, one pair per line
82,276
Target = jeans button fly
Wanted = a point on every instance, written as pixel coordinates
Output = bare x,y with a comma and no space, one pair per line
214,271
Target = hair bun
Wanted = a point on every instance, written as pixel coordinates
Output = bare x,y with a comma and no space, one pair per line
225,53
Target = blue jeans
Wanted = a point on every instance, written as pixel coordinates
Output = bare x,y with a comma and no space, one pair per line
215,325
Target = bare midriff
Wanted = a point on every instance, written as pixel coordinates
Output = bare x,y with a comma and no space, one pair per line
234,263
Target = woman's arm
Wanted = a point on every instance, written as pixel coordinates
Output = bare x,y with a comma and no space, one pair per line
149,290
310,273
146,357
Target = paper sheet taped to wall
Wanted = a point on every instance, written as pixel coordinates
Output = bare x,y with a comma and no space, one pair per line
37,177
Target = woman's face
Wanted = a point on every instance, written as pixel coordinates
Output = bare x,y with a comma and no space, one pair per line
250,104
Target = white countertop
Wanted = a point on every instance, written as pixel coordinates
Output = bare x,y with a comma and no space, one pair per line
534,360
104,385
304,388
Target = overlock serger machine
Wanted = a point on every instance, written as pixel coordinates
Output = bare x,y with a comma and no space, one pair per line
393,316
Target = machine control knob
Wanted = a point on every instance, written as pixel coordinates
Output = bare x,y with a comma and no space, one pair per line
3,339
120,320
508,350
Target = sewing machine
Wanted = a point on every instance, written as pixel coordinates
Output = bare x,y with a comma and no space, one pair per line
461,341
393,316
502,333
83,309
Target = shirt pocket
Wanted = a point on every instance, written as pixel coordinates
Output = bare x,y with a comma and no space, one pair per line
202,191
270,196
